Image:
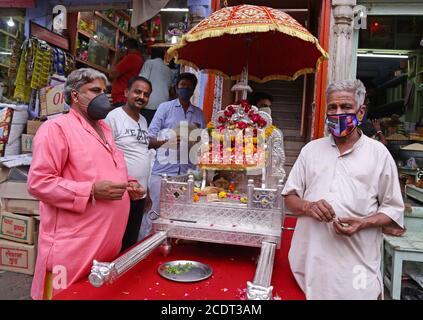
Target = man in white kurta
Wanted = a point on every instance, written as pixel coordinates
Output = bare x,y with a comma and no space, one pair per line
359,185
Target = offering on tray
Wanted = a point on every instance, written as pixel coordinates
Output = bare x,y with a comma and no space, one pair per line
179,268
185,271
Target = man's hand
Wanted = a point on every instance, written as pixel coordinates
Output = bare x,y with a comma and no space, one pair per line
109,190
135,190
348,226
320,210
394,230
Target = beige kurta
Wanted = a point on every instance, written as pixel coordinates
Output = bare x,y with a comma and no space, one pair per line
360,183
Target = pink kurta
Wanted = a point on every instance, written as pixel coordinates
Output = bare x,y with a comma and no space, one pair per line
68,157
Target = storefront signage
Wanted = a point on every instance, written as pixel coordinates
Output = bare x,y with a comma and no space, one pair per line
54,101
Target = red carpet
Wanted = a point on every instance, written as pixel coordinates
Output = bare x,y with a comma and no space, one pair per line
232,267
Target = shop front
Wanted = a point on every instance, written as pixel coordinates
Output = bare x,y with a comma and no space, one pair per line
388,58
92,39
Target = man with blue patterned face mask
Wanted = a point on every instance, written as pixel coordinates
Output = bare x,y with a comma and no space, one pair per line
344,189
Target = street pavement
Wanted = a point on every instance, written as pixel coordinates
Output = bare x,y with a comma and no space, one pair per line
15,286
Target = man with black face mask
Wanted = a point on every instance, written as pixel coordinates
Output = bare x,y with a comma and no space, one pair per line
344,189
170,116
81,180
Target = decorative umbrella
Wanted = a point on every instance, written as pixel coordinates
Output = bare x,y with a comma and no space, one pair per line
266,43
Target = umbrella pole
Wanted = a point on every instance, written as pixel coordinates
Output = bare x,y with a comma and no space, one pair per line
245,74
242,88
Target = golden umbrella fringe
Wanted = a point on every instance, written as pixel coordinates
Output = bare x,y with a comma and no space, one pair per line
255,79
218,32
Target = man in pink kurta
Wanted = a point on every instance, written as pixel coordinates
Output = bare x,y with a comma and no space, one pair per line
81,180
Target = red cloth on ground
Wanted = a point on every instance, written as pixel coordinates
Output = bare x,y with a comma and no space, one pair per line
232,267
129,67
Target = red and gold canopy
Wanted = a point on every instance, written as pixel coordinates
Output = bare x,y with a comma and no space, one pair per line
269,41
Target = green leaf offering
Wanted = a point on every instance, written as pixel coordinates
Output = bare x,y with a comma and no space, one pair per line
179,268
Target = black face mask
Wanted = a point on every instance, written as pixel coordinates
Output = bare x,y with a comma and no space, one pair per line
99,107
184,93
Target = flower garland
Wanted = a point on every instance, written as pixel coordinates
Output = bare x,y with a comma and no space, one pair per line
255,119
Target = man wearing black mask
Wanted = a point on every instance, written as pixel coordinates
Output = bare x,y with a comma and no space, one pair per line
165,135
81,180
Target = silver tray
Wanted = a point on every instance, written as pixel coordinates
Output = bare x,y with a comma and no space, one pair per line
196,271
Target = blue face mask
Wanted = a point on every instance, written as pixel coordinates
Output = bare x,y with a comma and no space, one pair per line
341,125
184,93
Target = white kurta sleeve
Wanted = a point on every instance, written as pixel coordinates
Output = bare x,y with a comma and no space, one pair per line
390,198
296,180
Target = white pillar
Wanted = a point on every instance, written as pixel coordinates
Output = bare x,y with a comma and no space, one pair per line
341,40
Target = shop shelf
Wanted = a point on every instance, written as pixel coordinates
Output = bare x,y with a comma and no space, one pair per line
99,14
93,65
388,109
88,35
394,82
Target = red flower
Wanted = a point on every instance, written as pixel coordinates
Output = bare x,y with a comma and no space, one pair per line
247,108
228,113
231,109
221,127
262,123
251,113
222,119
242,125
255,118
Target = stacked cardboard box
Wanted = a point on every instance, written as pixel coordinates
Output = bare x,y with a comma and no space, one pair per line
17,257
18,223
32,126
18,252
15,198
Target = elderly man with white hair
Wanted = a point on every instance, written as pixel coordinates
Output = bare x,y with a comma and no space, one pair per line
81,180
344,189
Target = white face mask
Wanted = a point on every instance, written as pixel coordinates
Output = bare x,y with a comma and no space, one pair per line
267,110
